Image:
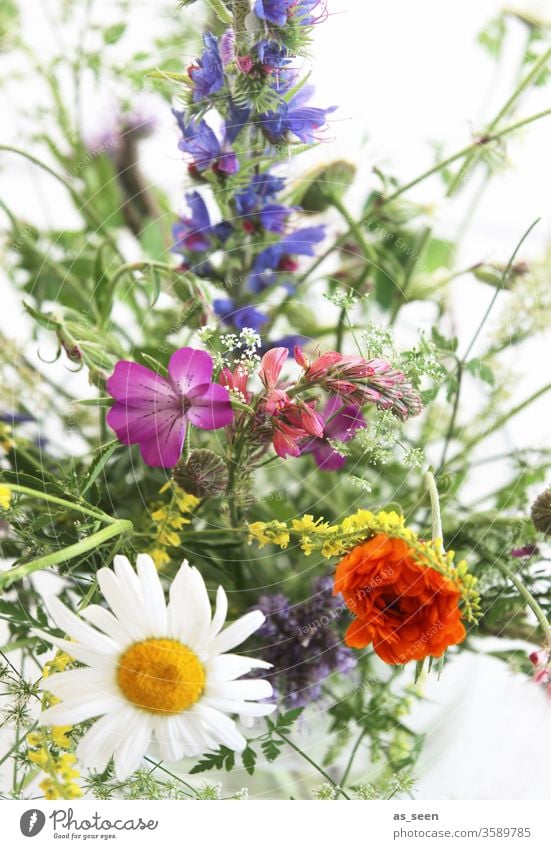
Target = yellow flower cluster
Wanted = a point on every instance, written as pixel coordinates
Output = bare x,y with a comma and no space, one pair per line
335,540
5,497
169,519
48,748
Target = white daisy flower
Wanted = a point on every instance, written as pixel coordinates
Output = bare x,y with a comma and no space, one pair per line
154,669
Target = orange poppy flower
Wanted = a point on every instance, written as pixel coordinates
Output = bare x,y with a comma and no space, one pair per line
407,610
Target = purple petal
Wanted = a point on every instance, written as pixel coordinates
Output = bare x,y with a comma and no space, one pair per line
210,407
165,445
189,367
326,458
344,424
138,386
132,424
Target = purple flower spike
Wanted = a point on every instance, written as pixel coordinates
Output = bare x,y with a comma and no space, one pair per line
153,411
341,423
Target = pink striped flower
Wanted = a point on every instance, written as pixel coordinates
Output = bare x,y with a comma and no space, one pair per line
153,411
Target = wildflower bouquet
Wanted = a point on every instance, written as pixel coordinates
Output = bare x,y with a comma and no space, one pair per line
231,538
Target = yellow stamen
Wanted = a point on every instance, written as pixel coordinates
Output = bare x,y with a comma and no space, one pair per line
161,676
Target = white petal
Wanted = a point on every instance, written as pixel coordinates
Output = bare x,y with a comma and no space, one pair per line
100,741
134,744
237,632
153,594
202,741
109,624
126,575
189,610
242,708
252,689
79,630
76,650
227,667
91,680
127,607
74,710
220,613
170,738
220,726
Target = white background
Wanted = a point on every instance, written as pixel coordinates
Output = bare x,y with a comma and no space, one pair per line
403,75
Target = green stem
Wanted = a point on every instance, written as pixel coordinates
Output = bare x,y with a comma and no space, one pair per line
316,766
435,506
444,163
532,603
502,420
53,499
353,753
119,526
462,362
521,87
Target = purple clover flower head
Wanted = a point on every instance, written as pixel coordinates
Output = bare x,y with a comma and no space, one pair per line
202,145
272,258
239,317
274,11
341,423
154,411
295,118
208,74
303,644
195,232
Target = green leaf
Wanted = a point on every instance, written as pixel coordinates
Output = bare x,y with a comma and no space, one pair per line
271,749
45,321
101,457
249,757
114,33
215,760
443,343
482,370
285,720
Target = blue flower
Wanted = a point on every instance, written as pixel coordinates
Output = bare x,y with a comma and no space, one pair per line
295,118
290,342
240,317
200,142
275,257
238,117
274,11
195,232
252,200
262,187
208,74
273,217
272,54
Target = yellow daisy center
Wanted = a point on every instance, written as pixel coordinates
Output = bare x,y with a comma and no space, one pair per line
161,676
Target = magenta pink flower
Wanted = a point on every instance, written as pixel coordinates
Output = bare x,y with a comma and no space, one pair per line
341,423
153,411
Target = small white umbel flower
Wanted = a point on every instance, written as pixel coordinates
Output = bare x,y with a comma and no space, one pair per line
154,669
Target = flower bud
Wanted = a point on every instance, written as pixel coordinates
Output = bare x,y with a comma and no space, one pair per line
204,474
541,513
325,183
